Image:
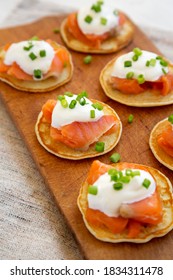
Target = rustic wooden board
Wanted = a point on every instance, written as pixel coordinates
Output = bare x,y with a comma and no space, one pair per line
64,177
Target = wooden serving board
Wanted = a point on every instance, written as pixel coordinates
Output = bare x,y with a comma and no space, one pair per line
64,177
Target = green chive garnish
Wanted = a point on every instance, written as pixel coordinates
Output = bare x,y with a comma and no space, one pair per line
34,38
146,183
118,186
159,57
141,79
64,103
130,118
127,63
60,97
56,30
82,101
164,71
100,146
32,56
128,172
135,57
103,21
129,75
112,171
28,47
152,62
137,51
72,104
68,93
88,19
115,157
92,114
147,63
81,95
96,8
42,53
37,73
87,59
125,179
163,63
170,119
97,106
92,189
135,173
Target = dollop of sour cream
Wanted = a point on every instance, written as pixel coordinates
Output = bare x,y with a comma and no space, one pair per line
108,200
147,64
80,113
30,56
97,18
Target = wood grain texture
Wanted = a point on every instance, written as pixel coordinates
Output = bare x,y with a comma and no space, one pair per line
64,177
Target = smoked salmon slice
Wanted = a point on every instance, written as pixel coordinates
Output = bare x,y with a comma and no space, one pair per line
131,86
165,140
79,135
60,60
133,215
89,39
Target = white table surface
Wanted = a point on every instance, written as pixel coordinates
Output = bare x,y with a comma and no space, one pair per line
31,226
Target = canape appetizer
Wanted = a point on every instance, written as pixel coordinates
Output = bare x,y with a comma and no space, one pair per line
97,28
126,202
161,142
35,65
139,78
75,127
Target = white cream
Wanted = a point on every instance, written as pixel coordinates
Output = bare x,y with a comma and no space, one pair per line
95,26
16,53
109,201
62,116
150,73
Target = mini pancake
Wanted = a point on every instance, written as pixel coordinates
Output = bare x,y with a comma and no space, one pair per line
42,130
110,45
148,232
48,84
158,152
145,99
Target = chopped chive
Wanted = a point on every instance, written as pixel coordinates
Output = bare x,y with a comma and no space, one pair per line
87,59
112,171
136,173
163,63
129,75
125,179
128,172
88,19
103,21
159,57
141,79
137,51
92,114
100,2
100,146
42,53
118,186
130,118
32,56
147,63
164,71
97,106
56,30
82,101
68,93
170,119
146,183
72,104
92,189
115,157
34,38
28,47
127,63
135,57
60,97
81,95
64,103
37,73
96,8
152,62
